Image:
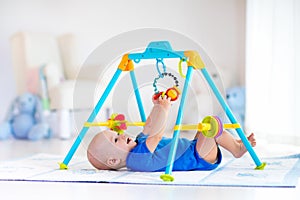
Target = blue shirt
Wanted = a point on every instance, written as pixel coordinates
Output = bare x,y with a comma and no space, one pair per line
186,158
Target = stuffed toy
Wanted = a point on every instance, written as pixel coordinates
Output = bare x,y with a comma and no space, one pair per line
236,101
25,119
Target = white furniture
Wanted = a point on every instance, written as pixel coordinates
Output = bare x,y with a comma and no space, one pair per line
58,55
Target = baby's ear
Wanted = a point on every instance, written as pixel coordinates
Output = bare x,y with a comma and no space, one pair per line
113,162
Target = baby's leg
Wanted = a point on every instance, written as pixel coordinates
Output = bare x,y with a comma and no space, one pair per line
236,147
206,148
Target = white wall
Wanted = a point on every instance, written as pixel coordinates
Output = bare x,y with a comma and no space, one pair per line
217,25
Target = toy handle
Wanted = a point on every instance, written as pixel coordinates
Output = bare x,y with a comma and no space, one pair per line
172,92
157,95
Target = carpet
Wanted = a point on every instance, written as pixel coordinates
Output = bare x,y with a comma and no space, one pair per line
280,172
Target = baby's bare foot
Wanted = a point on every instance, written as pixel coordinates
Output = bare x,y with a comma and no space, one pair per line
242,149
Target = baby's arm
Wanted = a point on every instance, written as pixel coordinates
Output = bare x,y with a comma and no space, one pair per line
156,122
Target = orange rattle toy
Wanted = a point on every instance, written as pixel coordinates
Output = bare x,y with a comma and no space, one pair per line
172,92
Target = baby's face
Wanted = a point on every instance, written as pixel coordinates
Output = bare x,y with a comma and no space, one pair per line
122,142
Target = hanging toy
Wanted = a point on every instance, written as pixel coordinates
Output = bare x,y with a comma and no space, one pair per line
172,92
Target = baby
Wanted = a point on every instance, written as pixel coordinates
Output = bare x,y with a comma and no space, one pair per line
150,150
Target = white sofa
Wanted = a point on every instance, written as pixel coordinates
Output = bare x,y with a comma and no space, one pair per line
58,55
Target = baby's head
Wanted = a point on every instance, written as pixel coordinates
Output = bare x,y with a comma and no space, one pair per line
108,150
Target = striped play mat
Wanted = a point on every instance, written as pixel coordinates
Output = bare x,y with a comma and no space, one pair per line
279,172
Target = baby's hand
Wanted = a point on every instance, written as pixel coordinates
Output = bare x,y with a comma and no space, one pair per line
165,102
155,100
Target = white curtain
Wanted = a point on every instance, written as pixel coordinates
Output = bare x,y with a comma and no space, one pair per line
273,69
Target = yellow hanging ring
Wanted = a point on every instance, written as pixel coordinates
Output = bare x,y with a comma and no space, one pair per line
180,67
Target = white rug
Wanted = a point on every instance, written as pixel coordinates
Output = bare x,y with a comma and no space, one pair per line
279,172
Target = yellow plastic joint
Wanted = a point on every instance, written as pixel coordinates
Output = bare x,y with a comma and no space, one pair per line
194,59
177,127
63,166
261,167
126,64
204,127
110,123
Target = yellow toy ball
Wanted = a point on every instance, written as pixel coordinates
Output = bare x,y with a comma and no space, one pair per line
173,93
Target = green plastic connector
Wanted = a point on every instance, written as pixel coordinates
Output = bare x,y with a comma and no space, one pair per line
261,167
167,177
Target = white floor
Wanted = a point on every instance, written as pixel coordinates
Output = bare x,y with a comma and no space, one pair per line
53,190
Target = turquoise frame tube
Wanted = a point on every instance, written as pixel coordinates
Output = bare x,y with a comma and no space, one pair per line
173,148
92,117
231,117
137,96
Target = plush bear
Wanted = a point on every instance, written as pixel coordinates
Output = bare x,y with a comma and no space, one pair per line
236,101
25,119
